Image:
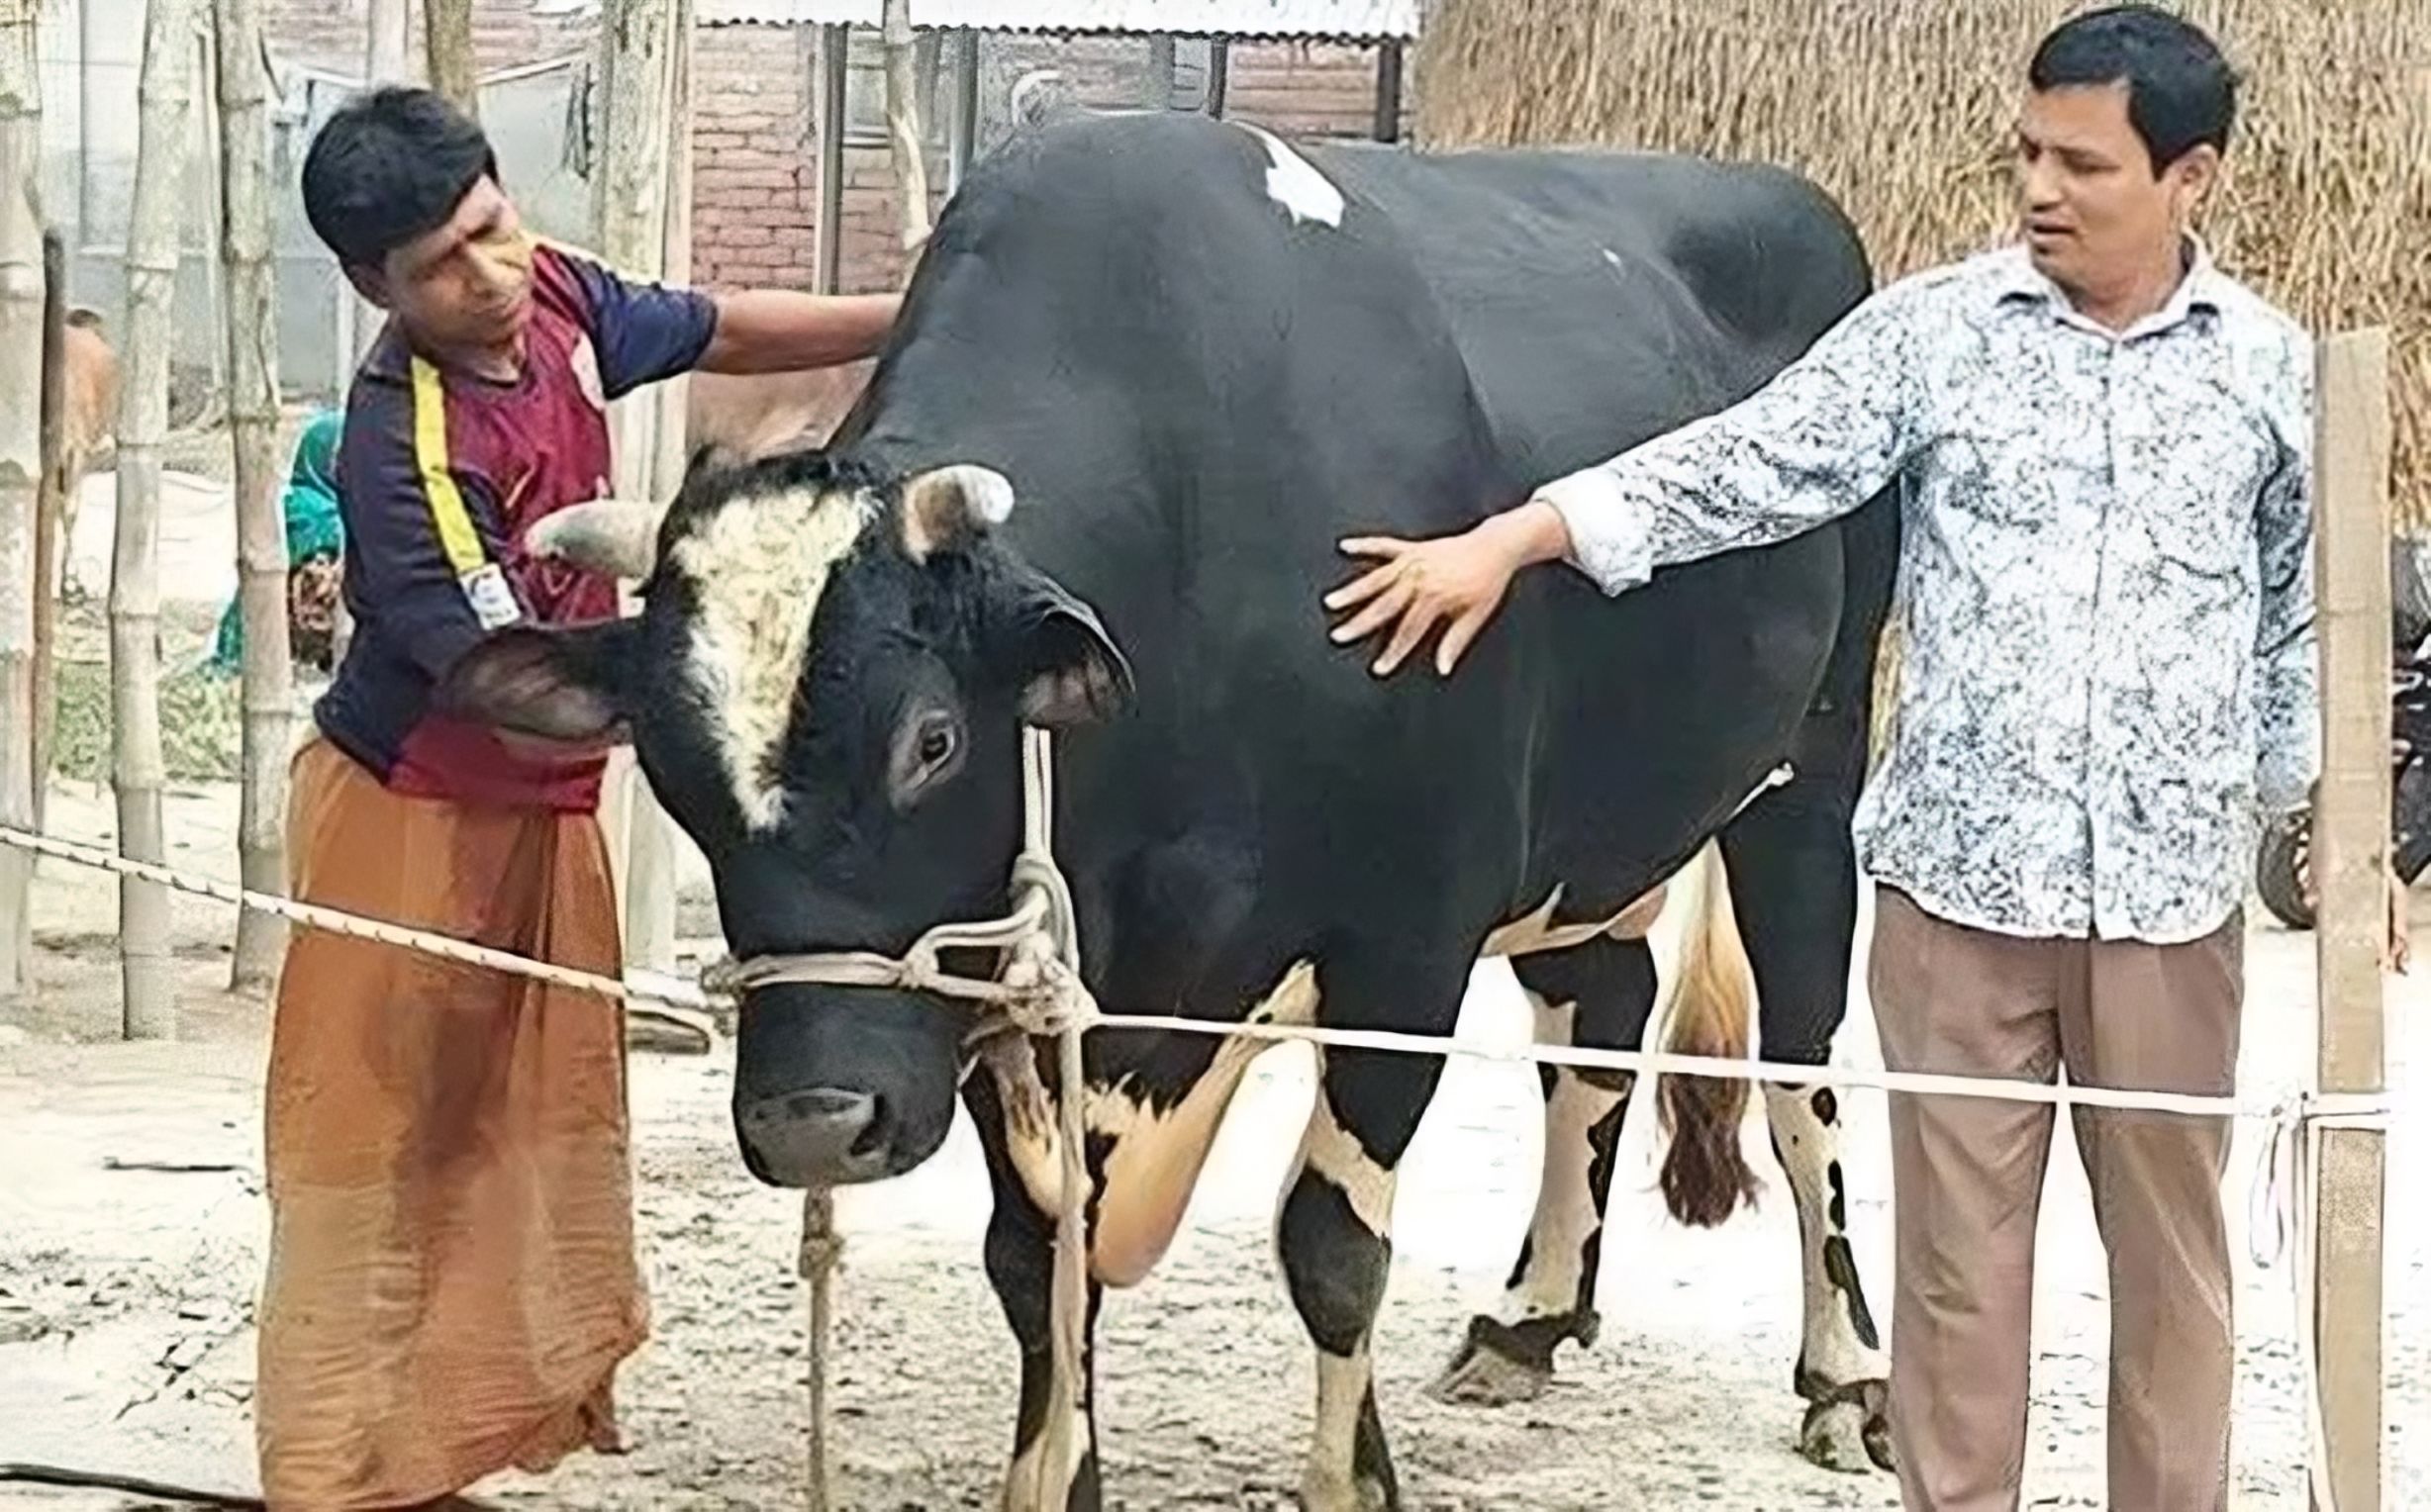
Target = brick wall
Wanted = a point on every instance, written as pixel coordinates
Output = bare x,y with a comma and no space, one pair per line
754,156
755,164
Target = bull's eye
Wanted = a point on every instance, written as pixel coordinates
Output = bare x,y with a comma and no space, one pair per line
927,750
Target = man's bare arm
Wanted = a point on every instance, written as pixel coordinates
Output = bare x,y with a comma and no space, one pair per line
779,330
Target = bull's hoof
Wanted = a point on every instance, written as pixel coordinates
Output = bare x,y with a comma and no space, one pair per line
1848,1429
1361,1494
1502,1364
1479,1377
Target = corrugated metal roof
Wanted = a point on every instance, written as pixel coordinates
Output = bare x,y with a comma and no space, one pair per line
1364,19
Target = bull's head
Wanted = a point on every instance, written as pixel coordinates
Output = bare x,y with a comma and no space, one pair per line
826,688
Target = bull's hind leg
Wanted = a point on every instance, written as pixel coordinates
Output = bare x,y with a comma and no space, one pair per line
1597,995
1334,1231
1021,1264
1793,882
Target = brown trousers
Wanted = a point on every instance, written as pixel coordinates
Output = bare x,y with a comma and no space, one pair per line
451,1277
1967,1176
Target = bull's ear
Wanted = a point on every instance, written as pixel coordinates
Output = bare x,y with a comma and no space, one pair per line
949,506
558,684
1071,670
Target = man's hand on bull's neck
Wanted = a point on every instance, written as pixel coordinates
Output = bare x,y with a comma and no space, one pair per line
779,330
1453,583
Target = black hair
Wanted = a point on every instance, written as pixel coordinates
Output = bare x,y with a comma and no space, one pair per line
2181,92
388,167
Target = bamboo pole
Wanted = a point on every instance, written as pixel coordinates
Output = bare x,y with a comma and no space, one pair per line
388,41
643,229
148,983
834,75
52,513
20,396
903,122
261,537
2352,453
448,35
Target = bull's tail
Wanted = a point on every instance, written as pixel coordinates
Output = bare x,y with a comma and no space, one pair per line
1705,1174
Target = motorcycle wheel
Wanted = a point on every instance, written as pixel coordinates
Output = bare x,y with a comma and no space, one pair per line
2279,869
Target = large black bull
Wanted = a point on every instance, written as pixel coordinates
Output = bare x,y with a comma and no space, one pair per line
1150,374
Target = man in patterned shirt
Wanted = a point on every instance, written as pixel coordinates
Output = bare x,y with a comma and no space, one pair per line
2108,673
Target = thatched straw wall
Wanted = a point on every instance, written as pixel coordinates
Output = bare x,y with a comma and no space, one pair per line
1904,110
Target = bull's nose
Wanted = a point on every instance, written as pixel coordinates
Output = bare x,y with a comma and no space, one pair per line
824,1136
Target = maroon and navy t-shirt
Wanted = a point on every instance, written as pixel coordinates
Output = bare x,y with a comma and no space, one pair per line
439,477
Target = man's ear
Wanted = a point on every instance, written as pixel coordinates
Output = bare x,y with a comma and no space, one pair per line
367,282
1071,671
558,684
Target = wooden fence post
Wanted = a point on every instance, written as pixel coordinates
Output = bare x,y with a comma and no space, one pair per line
2351,830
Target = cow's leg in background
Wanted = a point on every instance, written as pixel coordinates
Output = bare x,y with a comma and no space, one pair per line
1021,1264
1333,1230
1794,885
1597,995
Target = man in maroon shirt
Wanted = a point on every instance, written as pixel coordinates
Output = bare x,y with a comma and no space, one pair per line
451,1279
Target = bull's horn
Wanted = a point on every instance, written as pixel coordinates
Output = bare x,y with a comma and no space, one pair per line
615,536
948,504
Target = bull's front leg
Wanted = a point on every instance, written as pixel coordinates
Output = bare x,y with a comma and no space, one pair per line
1021,1264
1597,995
1334,1231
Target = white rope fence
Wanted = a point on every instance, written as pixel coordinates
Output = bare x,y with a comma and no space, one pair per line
2279,1200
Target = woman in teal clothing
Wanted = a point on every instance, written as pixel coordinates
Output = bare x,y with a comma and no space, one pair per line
315,546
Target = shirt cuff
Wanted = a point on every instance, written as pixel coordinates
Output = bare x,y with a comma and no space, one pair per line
1612,538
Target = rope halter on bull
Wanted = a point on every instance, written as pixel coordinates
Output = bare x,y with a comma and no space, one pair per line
1037,992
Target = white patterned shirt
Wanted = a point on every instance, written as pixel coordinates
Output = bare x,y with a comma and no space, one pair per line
2106,583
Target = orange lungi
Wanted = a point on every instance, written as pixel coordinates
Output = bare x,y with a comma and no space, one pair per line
451,1279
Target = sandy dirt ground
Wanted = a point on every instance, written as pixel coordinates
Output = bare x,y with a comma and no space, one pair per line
126,1294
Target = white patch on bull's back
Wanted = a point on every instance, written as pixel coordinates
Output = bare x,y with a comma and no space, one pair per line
1155,1158
1295,183
758,567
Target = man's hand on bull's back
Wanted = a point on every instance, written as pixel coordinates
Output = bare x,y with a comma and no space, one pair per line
1454,584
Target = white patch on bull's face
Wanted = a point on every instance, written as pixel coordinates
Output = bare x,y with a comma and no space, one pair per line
758,567
1294,182
1154,1160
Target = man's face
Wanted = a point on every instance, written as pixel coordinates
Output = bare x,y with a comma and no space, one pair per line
2095,211
465,285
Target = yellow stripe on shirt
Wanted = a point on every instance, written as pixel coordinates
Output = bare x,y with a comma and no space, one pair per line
456,536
